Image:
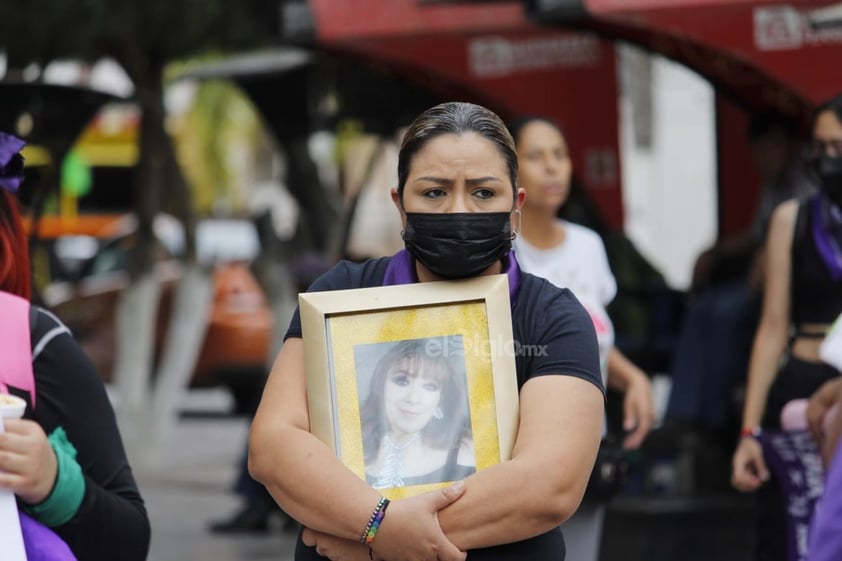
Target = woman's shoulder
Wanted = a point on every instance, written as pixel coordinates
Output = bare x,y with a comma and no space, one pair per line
45,327
784,218
540,302
538,291
789,208
352,274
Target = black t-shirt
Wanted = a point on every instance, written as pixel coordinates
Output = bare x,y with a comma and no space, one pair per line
552,331
111,522
553,335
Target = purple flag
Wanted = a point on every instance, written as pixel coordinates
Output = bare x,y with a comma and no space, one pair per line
795,460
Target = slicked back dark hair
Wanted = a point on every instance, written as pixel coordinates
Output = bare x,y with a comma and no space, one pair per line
456,118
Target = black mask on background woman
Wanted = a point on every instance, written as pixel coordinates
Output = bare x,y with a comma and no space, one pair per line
829,172
459,244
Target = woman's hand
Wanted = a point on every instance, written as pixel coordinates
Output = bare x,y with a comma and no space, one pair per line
819,404
412,533
638,411
335,549
748,468
28,464
410,530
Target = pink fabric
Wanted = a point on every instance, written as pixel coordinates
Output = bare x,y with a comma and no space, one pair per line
15,346
794,415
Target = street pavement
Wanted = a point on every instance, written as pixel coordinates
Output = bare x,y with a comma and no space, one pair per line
191,486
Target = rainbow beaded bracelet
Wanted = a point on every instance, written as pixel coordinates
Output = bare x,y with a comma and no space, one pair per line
374,521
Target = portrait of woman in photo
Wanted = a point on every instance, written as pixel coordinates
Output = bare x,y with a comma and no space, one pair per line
416,425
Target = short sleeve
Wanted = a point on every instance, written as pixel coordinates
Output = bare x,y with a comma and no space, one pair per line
606,283
553,334
343,275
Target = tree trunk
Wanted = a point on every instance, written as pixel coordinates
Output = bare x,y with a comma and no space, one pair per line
187,329
318,211
137,309
150,406
137,306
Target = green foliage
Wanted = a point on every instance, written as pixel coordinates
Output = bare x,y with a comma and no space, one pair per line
216,142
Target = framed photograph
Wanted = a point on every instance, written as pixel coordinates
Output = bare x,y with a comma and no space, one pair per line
413,386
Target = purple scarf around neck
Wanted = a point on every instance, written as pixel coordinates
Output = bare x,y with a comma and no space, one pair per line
827,234
401,270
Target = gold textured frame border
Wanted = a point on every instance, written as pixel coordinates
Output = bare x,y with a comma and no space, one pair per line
478,309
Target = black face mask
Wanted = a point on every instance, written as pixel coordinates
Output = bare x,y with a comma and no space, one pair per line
457,245
829,171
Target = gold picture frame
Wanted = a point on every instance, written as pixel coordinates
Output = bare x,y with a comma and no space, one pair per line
464,325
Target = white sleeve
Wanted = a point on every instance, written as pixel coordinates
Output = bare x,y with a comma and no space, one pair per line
606,284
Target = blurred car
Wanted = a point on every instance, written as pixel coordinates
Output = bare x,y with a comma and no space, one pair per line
235,349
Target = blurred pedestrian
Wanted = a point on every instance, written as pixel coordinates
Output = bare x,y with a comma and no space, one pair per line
802,298
64,459
712,353
572,256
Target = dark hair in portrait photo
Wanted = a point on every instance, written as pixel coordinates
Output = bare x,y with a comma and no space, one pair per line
438,359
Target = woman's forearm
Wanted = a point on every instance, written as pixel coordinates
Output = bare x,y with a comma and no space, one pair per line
303,475
316,489
498,508
621,371
769,344
111,522
310,483
558,437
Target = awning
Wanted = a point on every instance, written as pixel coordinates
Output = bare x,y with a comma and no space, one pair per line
762,53
487,53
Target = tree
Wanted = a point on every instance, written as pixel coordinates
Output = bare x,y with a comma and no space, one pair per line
143,37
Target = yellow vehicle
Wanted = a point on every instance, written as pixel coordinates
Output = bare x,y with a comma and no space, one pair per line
80,255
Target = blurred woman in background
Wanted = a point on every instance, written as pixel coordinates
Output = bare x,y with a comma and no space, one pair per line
572,256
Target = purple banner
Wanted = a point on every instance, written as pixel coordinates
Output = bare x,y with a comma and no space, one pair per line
796,463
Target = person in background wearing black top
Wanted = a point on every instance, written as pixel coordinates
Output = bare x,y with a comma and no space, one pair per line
456,195
802,298
64,459
712,351
415,419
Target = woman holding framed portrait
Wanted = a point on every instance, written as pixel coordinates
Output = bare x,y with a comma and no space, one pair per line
456,196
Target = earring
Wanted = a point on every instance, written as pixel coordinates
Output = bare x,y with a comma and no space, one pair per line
402,233
516,230
439,414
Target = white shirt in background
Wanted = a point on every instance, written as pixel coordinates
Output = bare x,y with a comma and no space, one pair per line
581,265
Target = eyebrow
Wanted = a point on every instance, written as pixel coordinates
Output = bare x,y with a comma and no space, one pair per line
469,182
